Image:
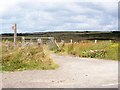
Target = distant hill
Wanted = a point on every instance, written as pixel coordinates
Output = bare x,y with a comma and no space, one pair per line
76,36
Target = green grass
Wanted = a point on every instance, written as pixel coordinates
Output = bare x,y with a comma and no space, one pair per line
102,49
26,58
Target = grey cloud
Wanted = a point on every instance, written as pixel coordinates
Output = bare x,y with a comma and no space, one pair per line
60,16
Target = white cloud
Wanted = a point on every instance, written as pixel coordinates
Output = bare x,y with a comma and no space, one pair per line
6,4
36,16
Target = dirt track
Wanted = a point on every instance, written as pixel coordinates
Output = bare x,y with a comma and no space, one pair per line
74,72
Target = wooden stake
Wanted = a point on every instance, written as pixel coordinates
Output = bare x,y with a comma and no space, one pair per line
23,41
95,41
15,34
39,42
71,41
57,44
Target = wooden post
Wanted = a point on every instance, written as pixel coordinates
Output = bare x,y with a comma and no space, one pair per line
23,41
95,41
14,27
8,46
57,44
52,40
39,42
31,42
110,41
62,41
71,41
63,44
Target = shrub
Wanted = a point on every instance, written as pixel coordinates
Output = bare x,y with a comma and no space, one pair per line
31,57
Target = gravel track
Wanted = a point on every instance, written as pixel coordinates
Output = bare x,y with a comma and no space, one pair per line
74,72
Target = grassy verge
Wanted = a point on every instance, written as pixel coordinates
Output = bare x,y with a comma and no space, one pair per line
102,49
24,58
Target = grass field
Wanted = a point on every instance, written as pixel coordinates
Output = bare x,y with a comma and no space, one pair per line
35,56
102,49
25,58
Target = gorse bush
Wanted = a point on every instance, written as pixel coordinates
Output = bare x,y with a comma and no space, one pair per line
23,58
94,53
112,51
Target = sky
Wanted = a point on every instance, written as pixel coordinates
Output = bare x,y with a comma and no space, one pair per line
58,15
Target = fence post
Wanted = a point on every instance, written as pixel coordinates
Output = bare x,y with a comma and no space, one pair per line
63,44
95,41
62,41
23,41
52,40
71,41
57,45
31,42
8,46
14,27
110,41
39,42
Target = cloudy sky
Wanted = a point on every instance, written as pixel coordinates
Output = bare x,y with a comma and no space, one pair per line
37,16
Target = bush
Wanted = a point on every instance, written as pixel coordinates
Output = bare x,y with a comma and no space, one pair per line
31,57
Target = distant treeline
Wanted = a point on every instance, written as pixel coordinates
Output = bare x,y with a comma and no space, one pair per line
75,35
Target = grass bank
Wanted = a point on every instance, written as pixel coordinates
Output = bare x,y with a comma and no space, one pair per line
102,49
26,58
